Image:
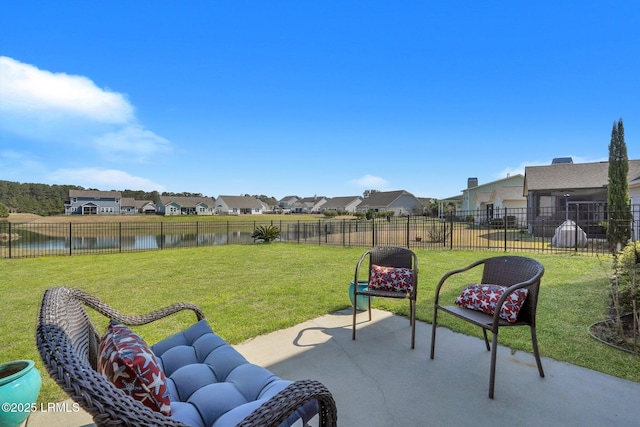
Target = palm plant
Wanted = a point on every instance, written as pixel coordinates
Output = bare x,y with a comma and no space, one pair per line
266,233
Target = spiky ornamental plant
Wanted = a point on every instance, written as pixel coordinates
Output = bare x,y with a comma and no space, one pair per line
619,227
266,233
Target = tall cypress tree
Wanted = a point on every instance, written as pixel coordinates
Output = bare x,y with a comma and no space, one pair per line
619,229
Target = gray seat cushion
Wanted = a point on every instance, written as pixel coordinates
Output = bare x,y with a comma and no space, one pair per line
212,385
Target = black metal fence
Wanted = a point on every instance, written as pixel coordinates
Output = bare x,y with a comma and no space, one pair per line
509,230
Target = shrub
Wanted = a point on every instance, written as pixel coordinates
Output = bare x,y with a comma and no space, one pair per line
438,233
266,233
625,294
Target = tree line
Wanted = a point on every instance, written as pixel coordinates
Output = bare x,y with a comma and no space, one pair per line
47,200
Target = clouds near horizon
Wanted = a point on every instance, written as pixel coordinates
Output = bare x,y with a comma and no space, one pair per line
65,109
370,182
105,179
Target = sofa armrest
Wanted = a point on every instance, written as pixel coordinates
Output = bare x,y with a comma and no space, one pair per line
277,409
134,320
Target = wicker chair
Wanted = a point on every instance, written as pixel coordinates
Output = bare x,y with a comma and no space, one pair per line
512,272
68,343
388,256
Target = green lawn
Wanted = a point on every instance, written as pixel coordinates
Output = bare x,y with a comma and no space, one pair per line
248,290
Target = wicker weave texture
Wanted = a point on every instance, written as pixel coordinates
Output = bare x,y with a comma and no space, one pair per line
66,340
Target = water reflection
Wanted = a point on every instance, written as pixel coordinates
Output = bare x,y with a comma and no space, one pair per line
34,241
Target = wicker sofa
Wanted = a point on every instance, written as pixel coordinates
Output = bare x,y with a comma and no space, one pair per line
209,383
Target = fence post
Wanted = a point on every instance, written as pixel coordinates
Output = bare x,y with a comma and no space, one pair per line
120,237
373,232
575,230
70,241
504,218
10,246
408,225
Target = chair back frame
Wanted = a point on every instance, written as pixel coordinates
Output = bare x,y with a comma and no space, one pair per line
512,272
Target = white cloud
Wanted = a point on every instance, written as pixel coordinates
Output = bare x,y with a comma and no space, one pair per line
370,182
111,179
132,140
27,90
70,109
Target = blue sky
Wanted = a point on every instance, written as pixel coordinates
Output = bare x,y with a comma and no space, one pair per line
310,97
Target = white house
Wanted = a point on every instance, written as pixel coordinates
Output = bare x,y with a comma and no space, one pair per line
399,202
309,204
239,205
346,204
186,205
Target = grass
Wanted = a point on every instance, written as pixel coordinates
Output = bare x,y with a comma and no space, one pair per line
248,290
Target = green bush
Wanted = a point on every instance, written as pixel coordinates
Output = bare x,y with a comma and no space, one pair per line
4,211
266,233
626,292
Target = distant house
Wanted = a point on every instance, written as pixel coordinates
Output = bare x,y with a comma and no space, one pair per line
129,205
287,203
449,206
485,201
342,204
239,205
186,205
399,202
309,204
426,204
146,206
571,190
93,202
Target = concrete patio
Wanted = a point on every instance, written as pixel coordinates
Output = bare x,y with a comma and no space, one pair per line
378,381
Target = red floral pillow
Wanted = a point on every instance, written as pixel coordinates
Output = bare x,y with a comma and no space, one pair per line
126,361
485,298
391,279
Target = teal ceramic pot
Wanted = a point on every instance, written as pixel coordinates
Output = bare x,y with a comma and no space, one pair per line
362,303
19,387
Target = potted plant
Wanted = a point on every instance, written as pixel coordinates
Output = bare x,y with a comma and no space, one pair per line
19,387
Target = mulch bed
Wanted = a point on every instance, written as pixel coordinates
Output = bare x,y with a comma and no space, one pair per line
606,331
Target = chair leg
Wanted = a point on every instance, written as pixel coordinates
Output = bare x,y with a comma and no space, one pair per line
412,319
369,301
492,375
486,340
534,342
353,333
434,325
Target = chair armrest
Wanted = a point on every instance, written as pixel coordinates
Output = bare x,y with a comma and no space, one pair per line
451,273
355,279
134,320
277,409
